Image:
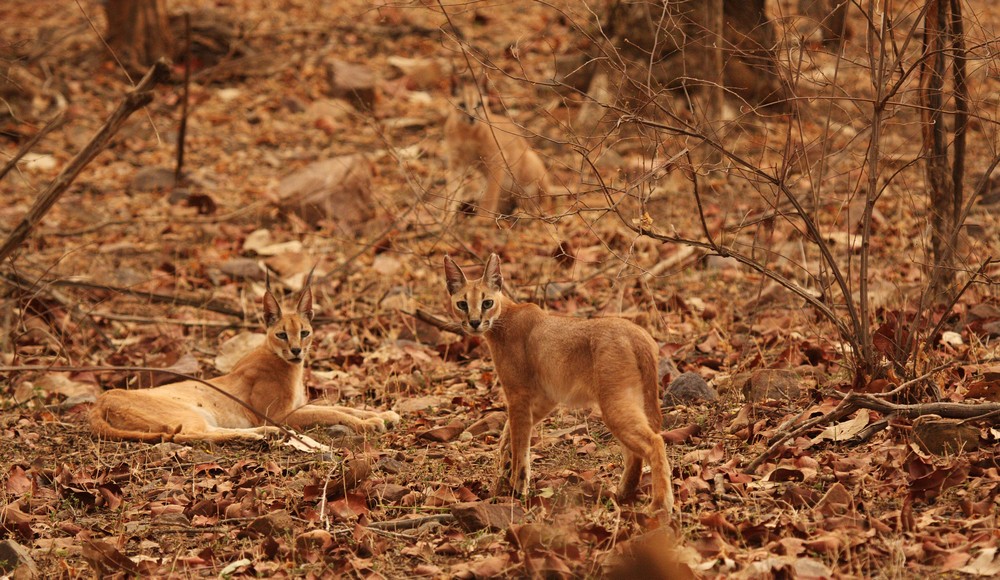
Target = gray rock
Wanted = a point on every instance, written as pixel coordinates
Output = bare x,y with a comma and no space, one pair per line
150,179
478,515
688,388
336,189
352,82
14,556
772,384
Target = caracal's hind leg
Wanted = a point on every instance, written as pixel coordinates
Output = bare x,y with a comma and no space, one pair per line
630,476
223,434
310,415
141,412
627,421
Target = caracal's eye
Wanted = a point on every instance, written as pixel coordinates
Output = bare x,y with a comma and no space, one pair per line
487,304
304,333
462,305
281,335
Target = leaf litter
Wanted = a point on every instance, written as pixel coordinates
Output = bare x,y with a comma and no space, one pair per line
825,505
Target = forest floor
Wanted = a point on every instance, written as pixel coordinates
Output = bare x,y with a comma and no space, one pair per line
131,269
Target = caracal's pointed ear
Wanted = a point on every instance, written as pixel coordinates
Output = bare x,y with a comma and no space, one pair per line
492,275
305,304
454,275
272,310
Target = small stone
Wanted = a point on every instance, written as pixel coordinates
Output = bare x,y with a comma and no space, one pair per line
336,189
390,465
14,556
478,515
150,179
944,436
245,268
275,523
772,384
353,82
388,492
688,388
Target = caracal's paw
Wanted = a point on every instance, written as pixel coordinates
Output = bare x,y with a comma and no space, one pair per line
373,425
271,432
390,418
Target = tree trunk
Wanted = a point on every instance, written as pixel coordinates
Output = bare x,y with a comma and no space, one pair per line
138,32
942,37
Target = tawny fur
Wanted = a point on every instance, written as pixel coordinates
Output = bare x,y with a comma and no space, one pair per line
268,379
492,144
543,360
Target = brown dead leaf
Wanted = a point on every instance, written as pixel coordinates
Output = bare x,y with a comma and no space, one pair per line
680,434
444,434
105,559
837,501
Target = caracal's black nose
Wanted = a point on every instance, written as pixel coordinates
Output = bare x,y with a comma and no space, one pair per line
474,324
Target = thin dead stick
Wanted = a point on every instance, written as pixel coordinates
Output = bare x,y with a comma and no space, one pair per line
842,410
182,130
424,316
96,369
205,304
855,401
134,100
410,523
173,321
52,124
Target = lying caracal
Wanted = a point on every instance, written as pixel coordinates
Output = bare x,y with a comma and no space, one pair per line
543,360
268,379
495,146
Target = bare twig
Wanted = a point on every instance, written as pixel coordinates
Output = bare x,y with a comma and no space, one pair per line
52,124
855,401
424,316
410,523
203,303
182,129
134,100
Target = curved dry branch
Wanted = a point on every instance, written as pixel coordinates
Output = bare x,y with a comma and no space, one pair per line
855,401
134,100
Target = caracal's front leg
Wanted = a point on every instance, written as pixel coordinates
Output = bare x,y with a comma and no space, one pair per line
490,203
368,422
519,425
515,444
502,484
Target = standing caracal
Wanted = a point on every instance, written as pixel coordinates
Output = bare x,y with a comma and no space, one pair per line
495,146
543,360
268,380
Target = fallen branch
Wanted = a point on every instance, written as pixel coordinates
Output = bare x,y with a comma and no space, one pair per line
410,523
134,100
856,401
447,326
52,124
202,303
